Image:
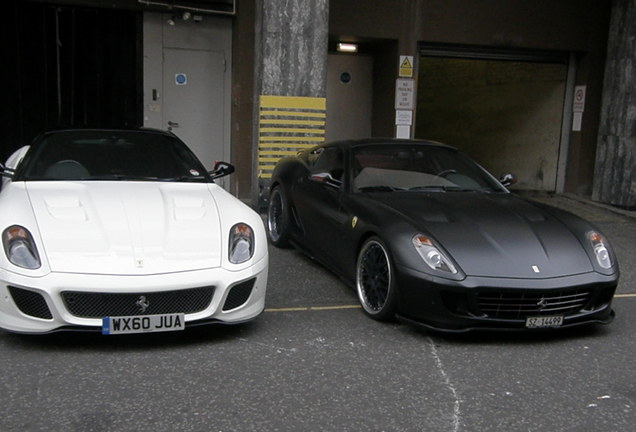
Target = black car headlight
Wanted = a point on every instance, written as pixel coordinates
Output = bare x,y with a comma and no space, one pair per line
20,247
431,255
601,252
241,243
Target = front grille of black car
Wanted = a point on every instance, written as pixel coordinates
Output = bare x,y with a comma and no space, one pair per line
98,305
238,294
516,305
30,303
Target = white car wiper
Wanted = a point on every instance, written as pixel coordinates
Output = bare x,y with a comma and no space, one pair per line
121,177
184,178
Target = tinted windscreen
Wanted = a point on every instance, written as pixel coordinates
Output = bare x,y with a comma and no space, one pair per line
111,155
417,167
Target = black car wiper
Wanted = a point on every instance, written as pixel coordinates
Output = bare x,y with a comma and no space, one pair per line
379,189
441,188
433,188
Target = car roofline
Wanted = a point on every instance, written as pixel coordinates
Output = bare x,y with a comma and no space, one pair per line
365,142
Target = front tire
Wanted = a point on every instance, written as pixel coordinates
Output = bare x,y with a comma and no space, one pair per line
278,218
375,281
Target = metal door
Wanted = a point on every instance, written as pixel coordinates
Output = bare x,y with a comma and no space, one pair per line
193,106
349,97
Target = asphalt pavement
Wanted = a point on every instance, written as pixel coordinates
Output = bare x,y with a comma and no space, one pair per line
314,362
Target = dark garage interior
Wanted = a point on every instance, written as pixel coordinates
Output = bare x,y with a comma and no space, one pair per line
69,67
496,111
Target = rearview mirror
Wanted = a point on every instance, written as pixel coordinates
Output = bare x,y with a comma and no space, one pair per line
507,180
221,169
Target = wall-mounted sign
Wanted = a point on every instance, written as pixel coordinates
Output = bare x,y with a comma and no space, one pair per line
578,104
180,79
404,93
404,117
406,67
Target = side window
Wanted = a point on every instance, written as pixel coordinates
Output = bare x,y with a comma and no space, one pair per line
331,161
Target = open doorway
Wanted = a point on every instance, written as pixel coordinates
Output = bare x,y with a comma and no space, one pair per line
506,113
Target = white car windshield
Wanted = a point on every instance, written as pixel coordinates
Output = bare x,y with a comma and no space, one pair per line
110,155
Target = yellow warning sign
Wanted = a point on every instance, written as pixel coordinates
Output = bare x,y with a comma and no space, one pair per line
406,66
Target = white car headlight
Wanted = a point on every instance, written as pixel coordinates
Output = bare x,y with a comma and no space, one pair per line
431,255
20,247
599,247
241,243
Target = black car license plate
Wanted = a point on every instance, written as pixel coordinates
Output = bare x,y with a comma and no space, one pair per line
544,321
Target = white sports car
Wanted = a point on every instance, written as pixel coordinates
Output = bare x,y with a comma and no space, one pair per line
124,231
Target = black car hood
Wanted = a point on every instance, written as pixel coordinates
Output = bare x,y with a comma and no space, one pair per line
493,235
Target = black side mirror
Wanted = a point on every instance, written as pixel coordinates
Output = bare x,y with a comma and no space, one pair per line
6,172
325,178
508,180
221,169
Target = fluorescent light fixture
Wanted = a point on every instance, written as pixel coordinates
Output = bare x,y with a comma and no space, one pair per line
347,47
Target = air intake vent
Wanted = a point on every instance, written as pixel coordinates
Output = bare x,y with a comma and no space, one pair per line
239,294
30,303
511,305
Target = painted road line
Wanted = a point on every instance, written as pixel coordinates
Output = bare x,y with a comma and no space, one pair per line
312,308
340,307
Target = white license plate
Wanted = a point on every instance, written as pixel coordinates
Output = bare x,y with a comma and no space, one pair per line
544,321
142,324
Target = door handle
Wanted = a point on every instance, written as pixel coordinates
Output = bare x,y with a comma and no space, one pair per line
173,124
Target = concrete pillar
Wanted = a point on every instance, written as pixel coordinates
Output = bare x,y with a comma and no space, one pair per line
291,69
615,171
293,47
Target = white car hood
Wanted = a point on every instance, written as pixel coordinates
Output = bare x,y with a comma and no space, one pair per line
127,228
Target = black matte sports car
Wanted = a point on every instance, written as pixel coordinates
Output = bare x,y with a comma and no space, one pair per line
425,234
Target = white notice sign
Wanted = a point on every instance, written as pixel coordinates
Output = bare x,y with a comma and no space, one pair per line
404,117
578,105
404,93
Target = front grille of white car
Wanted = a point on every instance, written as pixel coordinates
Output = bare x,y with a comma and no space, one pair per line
98,305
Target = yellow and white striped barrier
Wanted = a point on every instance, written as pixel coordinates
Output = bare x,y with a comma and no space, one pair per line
287,124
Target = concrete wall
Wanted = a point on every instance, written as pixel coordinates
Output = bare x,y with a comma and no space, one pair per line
615,176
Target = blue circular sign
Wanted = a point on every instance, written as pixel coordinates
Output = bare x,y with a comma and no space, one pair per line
345,77
180,79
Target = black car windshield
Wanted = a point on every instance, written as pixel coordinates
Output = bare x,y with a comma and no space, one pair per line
111,155
417,167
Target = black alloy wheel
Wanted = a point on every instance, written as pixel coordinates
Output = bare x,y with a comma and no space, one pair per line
278,218
374,280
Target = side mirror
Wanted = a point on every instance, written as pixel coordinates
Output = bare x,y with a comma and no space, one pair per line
325,178
6,172
221,169
507,180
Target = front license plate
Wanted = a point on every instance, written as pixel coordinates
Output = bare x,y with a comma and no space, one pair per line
544,321
142,324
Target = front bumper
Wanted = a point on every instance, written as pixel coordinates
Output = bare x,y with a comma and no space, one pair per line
19,313
480,303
